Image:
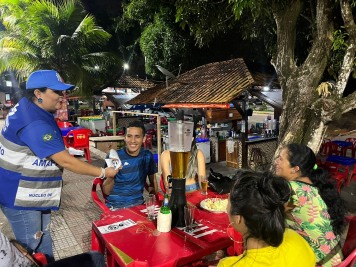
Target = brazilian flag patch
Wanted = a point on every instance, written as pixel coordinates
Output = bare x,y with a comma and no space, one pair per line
47,137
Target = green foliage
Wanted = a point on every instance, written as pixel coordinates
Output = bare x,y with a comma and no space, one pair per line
141,11
340,40
162,44
338,52
43,35
205,19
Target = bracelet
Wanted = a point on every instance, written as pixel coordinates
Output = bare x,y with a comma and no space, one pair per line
102,175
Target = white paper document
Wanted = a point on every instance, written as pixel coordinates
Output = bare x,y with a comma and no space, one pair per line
113,160
118,226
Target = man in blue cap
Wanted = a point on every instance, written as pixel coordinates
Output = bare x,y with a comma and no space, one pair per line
32,158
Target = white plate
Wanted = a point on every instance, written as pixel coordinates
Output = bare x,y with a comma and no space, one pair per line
216,205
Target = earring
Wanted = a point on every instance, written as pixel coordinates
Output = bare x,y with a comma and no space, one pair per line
40,100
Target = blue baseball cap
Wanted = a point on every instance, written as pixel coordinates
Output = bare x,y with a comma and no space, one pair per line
47,79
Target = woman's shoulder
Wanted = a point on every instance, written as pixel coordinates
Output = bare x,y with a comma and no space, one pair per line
165,155
296,247
230,261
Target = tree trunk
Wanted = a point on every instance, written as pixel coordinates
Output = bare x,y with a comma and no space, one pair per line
301,120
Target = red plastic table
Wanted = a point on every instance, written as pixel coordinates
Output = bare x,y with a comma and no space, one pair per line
131,240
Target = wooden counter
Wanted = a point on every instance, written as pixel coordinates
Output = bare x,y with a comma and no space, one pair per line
267,146
105,143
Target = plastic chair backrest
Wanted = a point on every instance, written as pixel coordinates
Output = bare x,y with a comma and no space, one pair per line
334,149
149,138
98,181
78,138
148,141
64,124
325,147
349,261
40,258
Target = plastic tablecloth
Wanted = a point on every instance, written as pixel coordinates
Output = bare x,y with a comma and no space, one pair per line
131,240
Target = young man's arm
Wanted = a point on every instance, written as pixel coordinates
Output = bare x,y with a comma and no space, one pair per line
108,185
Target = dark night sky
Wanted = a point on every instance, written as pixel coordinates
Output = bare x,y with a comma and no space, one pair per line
223,48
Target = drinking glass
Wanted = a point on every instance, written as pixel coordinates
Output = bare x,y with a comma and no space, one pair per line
204,186
189,217
150,206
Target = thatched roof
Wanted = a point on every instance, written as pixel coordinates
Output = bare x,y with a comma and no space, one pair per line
214,83
126,81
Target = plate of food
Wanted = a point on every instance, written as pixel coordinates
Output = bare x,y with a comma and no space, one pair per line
216,205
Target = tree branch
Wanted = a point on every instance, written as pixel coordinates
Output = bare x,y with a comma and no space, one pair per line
286,21
348,103
348,61
320,50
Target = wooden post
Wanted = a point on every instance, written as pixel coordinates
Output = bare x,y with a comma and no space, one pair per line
114,124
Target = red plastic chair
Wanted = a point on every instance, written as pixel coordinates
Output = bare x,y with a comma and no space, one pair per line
352,147
349,261
352,175
350,240
79,139
339,172
148,141
349,248
64,124
325,147
40,258
334,149
121,131
99,201
151,131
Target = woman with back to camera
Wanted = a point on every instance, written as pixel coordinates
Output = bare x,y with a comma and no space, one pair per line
256,210
196,169
33,157
315,210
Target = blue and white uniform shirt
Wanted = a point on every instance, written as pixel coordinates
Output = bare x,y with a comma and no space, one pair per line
29,178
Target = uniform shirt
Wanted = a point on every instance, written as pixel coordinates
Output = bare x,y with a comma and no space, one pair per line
131,179
29,178
294,251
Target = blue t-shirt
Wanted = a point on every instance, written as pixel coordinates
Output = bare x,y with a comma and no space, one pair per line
131,179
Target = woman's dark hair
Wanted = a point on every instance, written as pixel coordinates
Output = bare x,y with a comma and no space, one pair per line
259,197
302,156
30,94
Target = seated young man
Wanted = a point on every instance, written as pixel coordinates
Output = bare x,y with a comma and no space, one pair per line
126,189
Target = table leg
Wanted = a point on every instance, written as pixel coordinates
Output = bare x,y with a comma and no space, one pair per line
96,244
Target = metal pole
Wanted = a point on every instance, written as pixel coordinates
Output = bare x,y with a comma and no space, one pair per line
244,136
